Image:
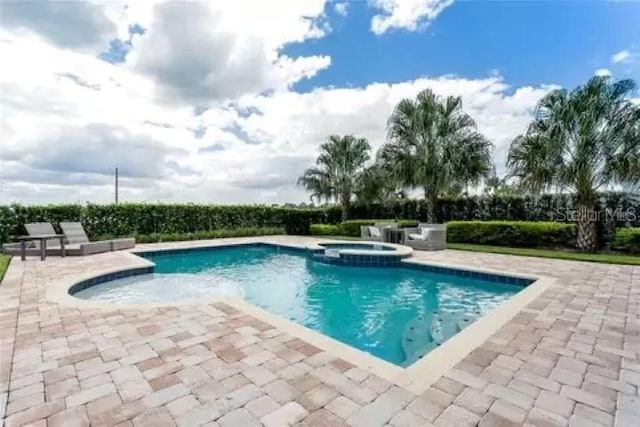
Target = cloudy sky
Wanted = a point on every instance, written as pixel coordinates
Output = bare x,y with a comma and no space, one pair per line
228,101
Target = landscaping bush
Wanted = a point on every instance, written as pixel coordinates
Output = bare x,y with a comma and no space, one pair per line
325,230
547,207
627,240
201,235
512,233
130,219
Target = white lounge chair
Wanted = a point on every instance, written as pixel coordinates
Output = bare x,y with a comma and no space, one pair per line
428,237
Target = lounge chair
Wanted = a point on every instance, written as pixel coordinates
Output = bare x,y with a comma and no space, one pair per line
33,247
375,232
76,236
77,244
428,237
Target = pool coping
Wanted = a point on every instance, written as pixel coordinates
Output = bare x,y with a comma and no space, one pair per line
416,378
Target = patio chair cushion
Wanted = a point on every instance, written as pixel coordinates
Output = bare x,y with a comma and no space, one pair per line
423,235
74,232
374,232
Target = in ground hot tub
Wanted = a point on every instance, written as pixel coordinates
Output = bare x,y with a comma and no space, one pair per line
359,254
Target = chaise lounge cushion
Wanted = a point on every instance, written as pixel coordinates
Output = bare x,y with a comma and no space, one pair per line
124,243
76,235
423,235
374,232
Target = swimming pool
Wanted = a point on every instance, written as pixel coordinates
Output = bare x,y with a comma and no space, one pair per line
397,314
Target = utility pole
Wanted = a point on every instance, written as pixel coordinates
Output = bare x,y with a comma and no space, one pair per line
116,186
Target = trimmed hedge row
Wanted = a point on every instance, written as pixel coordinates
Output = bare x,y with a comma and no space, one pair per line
147,219
550,207
512,233
202,235
627,240
326,230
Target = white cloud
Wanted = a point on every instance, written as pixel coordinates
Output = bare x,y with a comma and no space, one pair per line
622,56
341,8
603,72
200,52
78,25
69,118
410,15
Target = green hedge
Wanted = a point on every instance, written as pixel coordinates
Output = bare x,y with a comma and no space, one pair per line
548,207
202,235
147,219
325,230
627,240
511,233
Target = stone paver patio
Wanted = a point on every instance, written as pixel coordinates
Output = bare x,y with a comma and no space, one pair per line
572,357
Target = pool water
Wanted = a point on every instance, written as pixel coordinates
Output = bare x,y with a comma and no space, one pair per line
386,312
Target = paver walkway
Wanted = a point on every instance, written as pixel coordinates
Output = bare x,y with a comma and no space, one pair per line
572,357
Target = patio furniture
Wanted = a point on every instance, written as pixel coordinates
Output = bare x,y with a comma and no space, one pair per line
77,243
77,237
45,236
428,237
392,234
41,239
375,232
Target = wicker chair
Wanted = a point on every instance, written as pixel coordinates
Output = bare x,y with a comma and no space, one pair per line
365,232
427,237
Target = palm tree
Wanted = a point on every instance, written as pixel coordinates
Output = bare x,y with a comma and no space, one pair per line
377,184
581,141
335,176
434,145
498,187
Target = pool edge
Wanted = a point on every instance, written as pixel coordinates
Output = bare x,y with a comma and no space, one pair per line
416,378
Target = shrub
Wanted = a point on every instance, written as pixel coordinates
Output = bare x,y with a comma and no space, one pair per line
201,235
511,233
627,240
129,219
325,230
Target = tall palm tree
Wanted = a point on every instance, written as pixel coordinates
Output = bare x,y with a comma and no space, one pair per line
335,176
581,141
434,145
497,187
377,184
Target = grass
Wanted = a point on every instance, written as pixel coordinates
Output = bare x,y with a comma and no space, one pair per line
4,264
540,253
549,253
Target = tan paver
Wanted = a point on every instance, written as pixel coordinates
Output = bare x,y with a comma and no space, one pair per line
571,357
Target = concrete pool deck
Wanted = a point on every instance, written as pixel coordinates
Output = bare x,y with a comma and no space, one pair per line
570,357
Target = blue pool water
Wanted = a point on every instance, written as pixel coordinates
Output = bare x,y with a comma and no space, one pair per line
387,312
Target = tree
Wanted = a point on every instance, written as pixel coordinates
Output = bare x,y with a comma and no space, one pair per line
499,187
377,184
434,145
582,141
335,176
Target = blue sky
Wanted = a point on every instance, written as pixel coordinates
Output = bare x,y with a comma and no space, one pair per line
527,42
